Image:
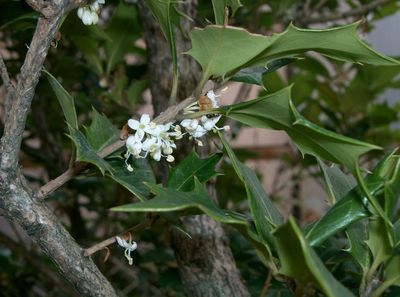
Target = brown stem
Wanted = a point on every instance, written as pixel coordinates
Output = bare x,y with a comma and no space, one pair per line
267,284
105,243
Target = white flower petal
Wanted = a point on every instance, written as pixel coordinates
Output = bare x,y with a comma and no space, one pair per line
145,119
133,124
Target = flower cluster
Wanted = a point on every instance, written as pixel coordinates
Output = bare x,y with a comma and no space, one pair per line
89,14
197,128
150,138
129,246
158,140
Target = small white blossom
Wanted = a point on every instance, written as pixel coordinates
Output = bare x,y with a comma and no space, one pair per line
89,14
134,145
140,127
129,246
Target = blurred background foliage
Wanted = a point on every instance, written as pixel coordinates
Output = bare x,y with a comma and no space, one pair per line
104,67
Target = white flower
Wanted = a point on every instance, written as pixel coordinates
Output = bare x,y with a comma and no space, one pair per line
198,132
209,123
129,246
89,13
211,95
134,145
140,127
190,124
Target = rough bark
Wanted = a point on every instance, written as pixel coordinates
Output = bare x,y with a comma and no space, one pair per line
206,263
17,201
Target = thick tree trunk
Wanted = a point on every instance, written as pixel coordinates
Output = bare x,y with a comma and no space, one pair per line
206,263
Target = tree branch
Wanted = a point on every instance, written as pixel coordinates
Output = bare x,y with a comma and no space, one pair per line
17,200
5,77
364,9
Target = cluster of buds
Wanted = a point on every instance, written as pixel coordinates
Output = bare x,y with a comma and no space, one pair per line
158,140
89,14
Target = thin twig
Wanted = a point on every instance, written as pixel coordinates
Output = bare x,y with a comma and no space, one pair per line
4,75
105,243
362,10
267,284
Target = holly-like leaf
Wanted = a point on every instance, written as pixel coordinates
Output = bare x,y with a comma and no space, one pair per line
85,153
223,50
219,9
357,235
379,242
166,14
167,200
66,101
299,261
345,212
277,111
122,30
182,176
265,215
101,132
337,183
133,181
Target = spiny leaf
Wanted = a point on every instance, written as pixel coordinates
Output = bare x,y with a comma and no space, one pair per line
101,132
182,176
265,215
167,16
65,99
300,261
277,111
85,153
166,200
133,181
223,50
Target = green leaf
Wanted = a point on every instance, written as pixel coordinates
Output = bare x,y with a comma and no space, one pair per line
31,16
357,235
182,177
85,153
123,30
101,132
265,215
353,206
133,181
66,101
90,49
277,111
391,277
166,200
222,50
299,261
379,242
337,183
219,9
253,75
345,212
165,13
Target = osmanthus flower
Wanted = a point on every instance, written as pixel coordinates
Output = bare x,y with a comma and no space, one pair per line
129,246
141,127
89,14
197,128
151,139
